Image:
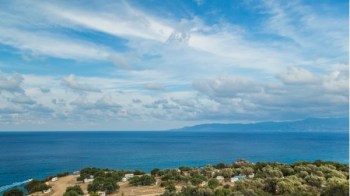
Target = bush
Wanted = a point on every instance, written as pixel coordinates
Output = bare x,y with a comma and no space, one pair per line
74,190
138,172
170,187
143,180
213,183
155,172
36,185
103,184
13,192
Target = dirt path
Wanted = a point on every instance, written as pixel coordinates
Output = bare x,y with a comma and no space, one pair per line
59,187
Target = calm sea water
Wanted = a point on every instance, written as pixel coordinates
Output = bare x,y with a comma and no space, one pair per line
26,155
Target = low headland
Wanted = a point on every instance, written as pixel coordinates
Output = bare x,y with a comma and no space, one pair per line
239,178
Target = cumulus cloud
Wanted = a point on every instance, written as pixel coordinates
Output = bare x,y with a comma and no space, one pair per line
225,86
202,68
11,83
298,75
23,99
44,90
71,82
153,86
301,94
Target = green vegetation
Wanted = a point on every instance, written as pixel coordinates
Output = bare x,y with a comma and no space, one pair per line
144,180
138,172
238,179
73,191
36,185
104,179
300,178
13,192
213,183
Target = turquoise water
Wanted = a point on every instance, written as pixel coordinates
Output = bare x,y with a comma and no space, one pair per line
25,155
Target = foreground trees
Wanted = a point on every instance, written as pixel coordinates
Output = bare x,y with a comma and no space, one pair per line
13,192
73,191
300,178
36,186
144,180
240,178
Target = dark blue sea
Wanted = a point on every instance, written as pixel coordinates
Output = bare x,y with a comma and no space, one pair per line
25,155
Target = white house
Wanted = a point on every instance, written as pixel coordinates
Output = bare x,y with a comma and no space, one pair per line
76,173
87,180
220,178
90,179
236,178
124,179
47,191
101,193
251,175
54,179
128,176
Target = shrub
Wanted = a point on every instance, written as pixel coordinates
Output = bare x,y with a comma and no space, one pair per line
36,185
74,189
155,172
143,180
138,172
213,183
13,192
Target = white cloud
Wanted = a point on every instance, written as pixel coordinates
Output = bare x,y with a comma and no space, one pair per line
225,86
126,22
71,82
298,75
153,86
11,83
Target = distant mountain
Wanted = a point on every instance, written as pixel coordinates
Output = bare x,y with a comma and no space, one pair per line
307,125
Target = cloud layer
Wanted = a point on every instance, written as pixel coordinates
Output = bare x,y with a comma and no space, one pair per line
130,65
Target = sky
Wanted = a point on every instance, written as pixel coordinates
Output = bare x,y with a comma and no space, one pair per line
154,65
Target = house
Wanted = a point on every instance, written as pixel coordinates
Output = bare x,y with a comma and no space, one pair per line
101,193
241,162
87,180
236,178
54,179
220,178
76,173
251,175
47,191
128,176
124,179
90,179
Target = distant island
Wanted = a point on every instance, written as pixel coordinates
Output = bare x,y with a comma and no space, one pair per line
239,178
306,125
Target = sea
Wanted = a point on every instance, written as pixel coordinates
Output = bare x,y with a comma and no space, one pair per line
28,155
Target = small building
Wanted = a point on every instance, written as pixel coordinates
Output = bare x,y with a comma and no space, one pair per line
101,193
128,176
76,173
204,183
251,175
90,179
236,178
241,162
87,180
124,179
47,191
220,178
54,179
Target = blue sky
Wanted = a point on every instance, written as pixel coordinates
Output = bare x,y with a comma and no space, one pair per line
149,65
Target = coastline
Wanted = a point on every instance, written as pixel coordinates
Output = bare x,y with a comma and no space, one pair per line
226,176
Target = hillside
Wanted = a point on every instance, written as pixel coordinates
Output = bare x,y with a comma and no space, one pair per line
307,125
